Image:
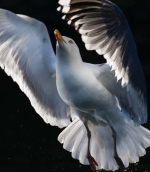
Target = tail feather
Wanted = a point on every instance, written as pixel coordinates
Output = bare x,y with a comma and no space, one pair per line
62,136
139,145
143,133
75,140
77,145
131,143
131,151
70,139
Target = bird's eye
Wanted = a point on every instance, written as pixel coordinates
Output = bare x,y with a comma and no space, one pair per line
70,42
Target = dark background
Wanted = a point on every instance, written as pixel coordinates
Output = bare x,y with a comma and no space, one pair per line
26,142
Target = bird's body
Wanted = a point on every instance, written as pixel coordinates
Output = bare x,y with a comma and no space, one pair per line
79,87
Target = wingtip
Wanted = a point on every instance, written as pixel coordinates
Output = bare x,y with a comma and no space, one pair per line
64,2
64,17
69,22
59,8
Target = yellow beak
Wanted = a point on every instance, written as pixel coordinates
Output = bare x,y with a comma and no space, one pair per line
58,36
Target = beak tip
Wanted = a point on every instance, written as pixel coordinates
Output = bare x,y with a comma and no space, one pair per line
58,36
55,31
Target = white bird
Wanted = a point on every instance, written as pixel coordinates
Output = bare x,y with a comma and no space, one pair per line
63,86
118,86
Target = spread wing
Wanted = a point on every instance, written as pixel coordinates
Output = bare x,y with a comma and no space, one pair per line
105,29
27,56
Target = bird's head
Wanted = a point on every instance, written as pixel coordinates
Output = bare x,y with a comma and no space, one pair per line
66,47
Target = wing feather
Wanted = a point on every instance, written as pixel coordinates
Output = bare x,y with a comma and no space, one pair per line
105,29
125,99
27,56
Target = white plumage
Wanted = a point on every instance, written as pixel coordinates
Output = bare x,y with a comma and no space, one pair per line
103,99
131,144
27,56
95,96
105,29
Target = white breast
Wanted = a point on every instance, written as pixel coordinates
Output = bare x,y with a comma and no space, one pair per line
79,88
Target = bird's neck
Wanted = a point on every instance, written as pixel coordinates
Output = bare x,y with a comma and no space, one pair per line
68,62
68,76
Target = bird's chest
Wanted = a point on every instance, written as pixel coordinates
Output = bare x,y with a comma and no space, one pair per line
74,88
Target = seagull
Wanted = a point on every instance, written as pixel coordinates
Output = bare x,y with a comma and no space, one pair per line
102,106
118,86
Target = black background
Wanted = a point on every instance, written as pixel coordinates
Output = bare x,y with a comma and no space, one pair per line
26,142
